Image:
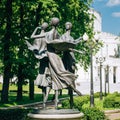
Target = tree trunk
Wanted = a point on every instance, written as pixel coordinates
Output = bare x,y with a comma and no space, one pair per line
6,60
31,89
31,82
20,83
20,55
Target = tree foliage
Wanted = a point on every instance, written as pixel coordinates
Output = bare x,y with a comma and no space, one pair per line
28,14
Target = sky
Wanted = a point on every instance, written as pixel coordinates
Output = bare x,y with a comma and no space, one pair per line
110,13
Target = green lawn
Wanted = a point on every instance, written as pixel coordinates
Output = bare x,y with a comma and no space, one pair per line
26,100
13,87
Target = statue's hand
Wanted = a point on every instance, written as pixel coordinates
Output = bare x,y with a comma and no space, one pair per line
78,40
38,27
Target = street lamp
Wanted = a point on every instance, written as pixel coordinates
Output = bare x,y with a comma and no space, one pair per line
106,79
100,60
91,46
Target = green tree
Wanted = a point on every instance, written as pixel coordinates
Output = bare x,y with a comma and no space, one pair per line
20,18
77,12
6,51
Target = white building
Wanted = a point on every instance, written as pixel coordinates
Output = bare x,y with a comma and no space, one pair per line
110,52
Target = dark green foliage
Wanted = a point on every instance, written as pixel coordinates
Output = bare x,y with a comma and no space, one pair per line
93,114
112,101
14,114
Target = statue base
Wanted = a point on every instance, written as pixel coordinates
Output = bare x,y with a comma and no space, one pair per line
54,114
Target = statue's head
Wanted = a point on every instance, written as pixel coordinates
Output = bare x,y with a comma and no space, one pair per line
44,26
54,21
68,25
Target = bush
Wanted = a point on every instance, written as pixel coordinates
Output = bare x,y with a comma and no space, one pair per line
108,102
97,95
78,102
93,114
13,114
89,113
112,101
117,102
66,104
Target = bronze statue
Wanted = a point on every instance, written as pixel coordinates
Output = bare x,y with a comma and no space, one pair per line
39,47
60,78
68,57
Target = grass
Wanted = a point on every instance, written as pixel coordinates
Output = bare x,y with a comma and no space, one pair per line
26,100
13,87
38,97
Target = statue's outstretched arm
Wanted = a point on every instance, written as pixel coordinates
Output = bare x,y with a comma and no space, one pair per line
74,50
78,40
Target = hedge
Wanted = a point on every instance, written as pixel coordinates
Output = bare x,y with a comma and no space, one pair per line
14,114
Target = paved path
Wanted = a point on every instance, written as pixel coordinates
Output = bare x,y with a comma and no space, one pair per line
113,114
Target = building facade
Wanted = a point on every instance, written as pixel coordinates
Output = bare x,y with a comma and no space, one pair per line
106,63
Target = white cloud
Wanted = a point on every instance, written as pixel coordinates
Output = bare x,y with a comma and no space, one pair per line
116,14
113,3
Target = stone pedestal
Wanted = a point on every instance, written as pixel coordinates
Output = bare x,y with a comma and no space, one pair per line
53,114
